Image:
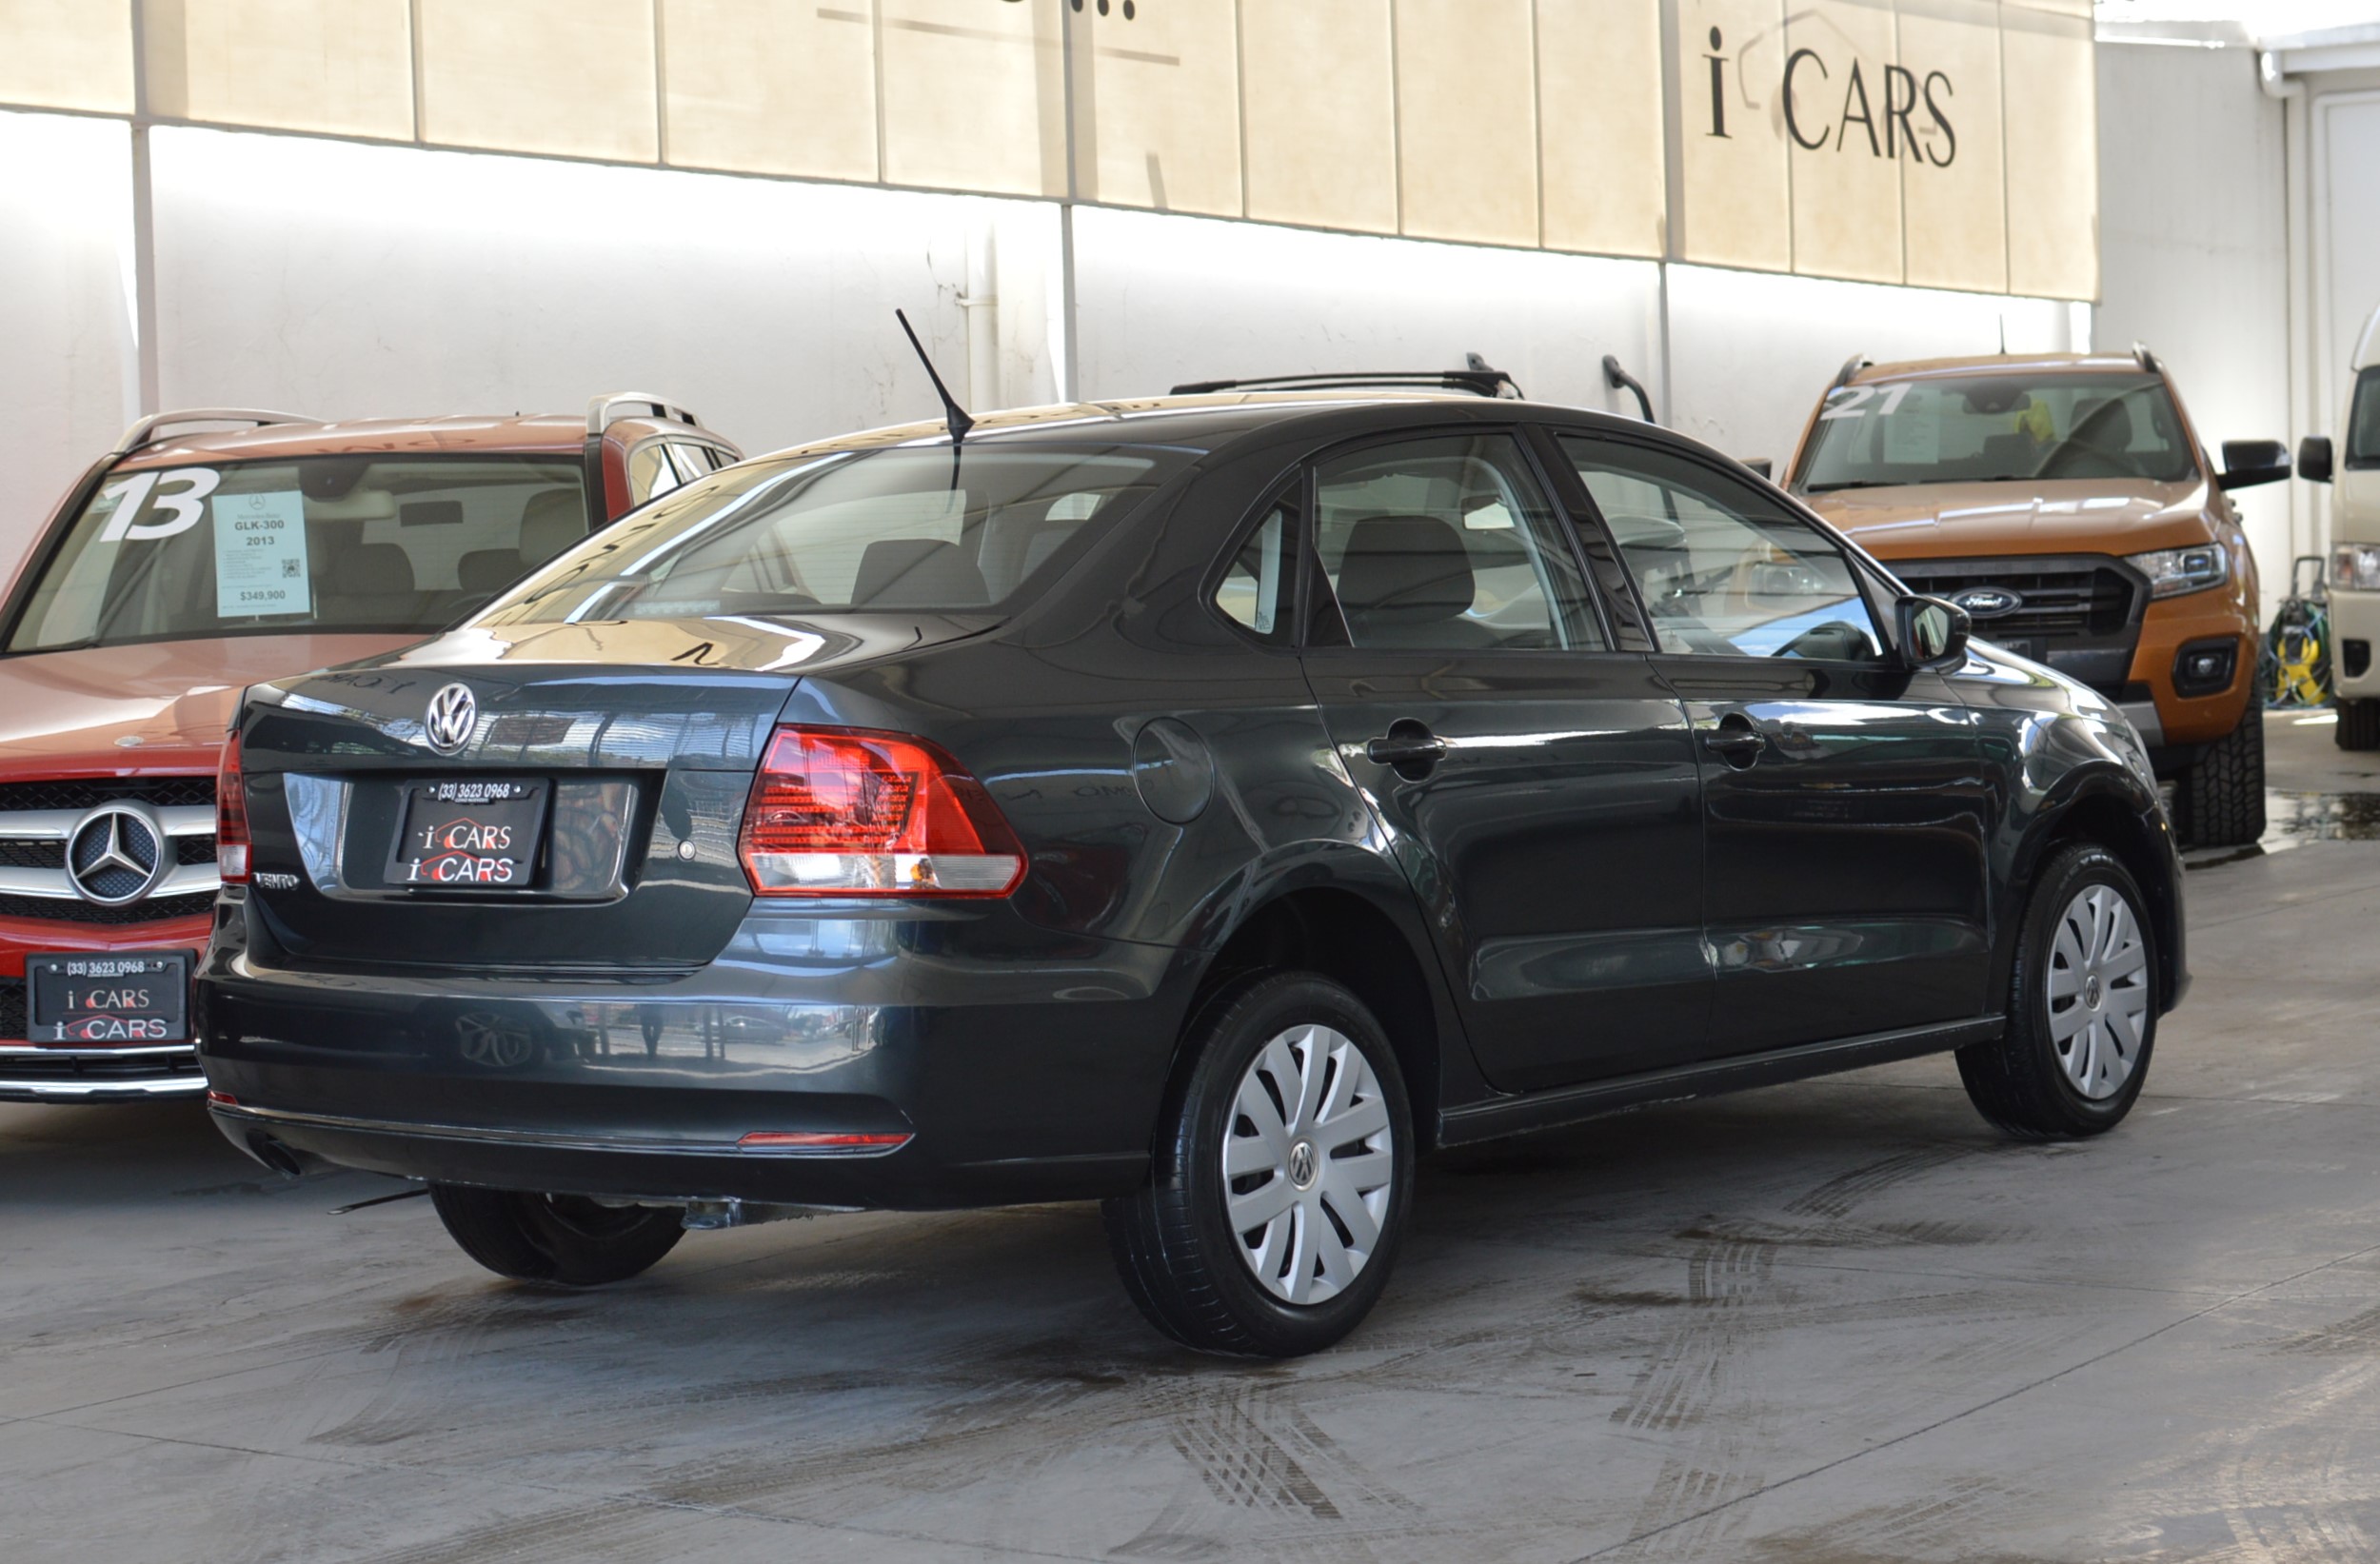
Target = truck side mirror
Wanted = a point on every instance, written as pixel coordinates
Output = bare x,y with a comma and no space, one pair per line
1934,633
2314,459
2247,462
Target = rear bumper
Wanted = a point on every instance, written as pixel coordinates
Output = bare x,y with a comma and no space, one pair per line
1022,1065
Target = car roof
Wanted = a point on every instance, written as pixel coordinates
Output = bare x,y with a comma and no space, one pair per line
1203,422
530,433
2013,363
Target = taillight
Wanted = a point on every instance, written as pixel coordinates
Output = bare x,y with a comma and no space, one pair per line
849,812
230,817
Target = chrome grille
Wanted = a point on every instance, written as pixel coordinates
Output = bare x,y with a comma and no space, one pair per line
40,850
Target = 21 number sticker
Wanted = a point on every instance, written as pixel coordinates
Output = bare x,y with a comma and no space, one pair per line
1856,399
188,505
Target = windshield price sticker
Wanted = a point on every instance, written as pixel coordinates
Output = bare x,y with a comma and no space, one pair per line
130,998
470,835
261,566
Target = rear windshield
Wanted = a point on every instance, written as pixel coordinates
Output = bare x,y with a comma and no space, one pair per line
899,529
2363,421
404,544
1997,427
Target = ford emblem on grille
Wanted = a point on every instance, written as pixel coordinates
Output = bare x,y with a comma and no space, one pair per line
1988,602
116,855
453,713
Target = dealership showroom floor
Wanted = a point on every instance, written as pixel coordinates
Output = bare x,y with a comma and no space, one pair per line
1842,1320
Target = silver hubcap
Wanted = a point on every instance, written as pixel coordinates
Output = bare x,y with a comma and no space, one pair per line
1308,1164
2099,990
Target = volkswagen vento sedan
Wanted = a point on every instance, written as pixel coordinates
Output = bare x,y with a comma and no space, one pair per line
1205,805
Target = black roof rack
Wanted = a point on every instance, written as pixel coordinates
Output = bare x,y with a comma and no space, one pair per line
1852,365
1478,378
2145,359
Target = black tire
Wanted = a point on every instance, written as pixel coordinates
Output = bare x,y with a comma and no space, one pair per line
1173,1241
563,1238
2219,801
2021,1082
2359,726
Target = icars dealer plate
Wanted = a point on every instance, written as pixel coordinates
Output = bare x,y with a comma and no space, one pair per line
122,996
469,834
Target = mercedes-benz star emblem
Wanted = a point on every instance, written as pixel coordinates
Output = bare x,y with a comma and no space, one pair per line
116,855
453,712
1988,602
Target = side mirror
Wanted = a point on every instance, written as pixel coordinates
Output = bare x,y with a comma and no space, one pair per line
1762,466
1934,633
2250,462
2314,459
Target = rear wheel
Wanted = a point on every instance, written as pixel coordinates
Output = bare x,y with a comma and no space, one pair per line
565,1238
2359,724
2219,801
2082,1006
1282,1175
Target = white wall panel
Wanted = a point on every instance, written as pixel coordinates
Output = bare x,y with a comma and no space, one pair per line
1166,300
2193,251
66,311
349,281
1752,352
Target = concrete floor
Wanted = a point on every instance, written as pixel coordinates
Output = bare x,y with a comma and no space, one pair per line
1840,1322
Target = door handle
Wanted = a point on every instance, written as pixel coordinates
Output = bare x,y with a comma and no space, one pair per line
1408,748
1737,741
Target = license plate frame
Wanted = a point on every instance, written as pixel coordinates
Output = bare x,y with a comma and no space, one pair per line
61,988
470,835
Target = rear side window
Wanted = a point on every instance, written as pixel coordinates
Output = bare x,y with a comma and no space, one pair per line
896,530
1260,585
2363,421
1447,542
334,543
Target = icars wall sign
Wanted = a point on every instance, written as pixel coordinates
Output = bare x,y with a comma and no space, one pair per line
1941,143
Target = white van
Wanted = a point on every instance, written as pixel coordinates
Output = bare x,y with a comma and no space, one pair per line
2354,470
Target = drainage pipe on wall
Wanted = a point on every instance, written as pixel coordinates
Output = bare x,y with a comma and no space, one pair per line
2307,411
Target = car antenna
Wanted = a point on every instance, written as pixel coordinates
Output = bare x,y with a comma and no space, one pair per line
960,422
2003,334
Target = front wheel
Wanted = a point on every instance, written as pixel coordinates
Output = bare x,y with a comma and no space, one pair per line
1281,1179
2359,724
565,1238
2219,801
2082,1006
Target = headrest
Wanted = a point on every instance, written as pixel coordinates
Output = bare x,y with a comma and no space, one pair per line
487,571
917,573
551,521
2107,424
371,569
1406,570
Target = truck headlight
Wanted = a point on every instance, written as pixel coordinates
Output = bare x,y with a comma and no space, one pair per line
2357,566
2173,571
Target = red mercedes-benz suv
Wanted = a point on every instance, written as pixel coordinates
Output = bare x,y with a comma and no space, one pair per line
184,566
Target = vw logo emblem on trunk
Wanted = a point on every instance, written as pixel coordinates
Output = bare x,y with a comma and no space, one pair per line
1988,602
453,712
116,854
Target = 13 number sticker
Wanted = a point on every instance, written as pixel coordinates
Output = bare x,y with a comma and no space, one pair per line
182,492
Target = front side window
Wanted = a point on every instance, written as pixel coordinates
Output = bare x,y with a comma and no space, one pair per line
1724,572
1447,542
897,529
331,543
651,472
1998,427
2363,421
